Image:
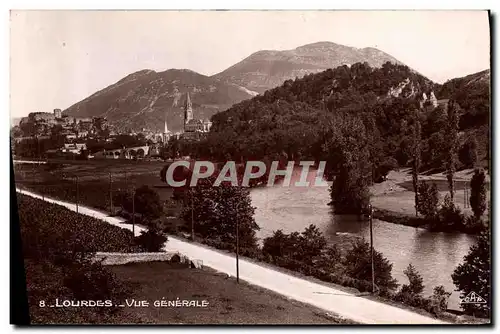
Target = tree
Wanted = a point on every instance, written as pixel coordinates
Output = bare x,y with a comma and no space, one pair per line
473,275
440,299
151,240
468,153
450,216
416,286
348,156
215,210
427,204
276,245
311,243
452,139
477,198
388,164
415,165
358,265
147,202
303,247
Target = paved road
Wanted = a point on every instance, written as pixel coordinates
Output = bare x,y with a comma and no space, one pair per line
347,305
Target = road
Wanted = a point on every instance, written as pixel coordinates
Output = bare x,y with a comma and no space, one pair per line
332,300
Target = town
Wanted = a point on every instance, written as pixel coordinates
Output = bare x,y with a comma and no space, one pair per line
55,135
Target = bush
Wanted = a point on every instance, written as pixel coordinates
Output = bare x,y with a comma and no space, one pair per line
147,202
439,300
428,199
450,216
474,275
58,247
300,247
151,240
416,286
358,265
50,231
89,280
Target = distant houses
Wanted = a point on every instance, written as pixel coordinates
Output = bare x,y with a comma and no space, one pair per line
45,124
138,152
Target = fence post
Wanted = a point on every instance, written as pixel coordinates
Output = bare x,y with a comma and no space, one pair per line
77,194
111,195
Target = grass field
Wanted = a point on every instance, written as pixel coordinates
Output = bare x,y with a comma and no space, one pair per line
229,302
396,194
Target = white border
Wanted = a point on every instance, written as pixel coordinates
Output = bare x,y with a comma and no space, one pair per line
191,4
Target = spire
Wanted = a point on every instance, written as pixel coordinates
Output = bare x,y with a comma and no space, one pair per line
166,128
188,109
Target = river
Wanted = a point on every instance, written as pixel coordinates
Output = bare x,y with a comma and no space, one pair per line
435,255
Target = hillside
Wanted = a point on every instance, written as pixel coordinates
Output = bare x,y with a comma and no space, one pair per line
472,93
141,99
268,69
372,110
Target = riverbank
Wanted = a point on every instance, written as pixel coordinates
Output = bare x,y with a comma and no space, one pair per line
394,200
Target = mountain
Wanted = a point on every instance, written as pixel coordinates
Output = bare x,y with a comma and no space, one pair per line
476,81
296,117
14,121
472,93
141,99
357,109
268,69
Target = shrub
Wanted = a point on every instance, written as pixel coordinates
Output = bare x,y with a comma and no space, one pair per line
358,265
151,240
450,216
428,199
439,300
89,280
147,202
416,286
474,275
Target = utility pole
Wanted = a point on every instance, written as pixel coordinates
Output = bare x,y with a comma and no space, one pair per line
192,214
133,212
237,246
371,247
77,194
111,195
465,195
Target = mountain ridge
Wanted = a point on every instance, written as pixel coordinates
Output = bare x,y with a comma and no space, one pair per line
266,69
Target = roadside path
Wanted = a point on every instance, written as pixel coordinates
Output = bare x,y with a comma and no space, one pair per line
332,300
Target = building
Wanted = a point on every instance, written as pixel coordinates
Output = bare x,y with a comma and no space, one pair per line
124,153
194,128
430,101
74,148
58,113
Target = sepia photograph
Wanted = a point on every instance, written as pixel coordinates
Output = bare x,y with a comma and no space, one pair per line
251,167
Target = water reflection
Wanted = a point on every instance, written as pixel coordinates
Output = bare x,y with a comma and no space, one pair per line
435,255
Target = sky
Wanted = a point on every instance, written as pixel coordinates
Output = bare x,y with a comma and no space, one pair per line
58,58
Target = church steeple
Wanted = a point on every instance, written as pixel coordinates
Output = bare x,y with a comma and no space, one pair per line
166,127
188,109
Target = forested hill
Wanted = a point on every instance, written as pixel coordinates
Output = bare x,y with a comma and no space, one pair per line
367,110
472,93
345,87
